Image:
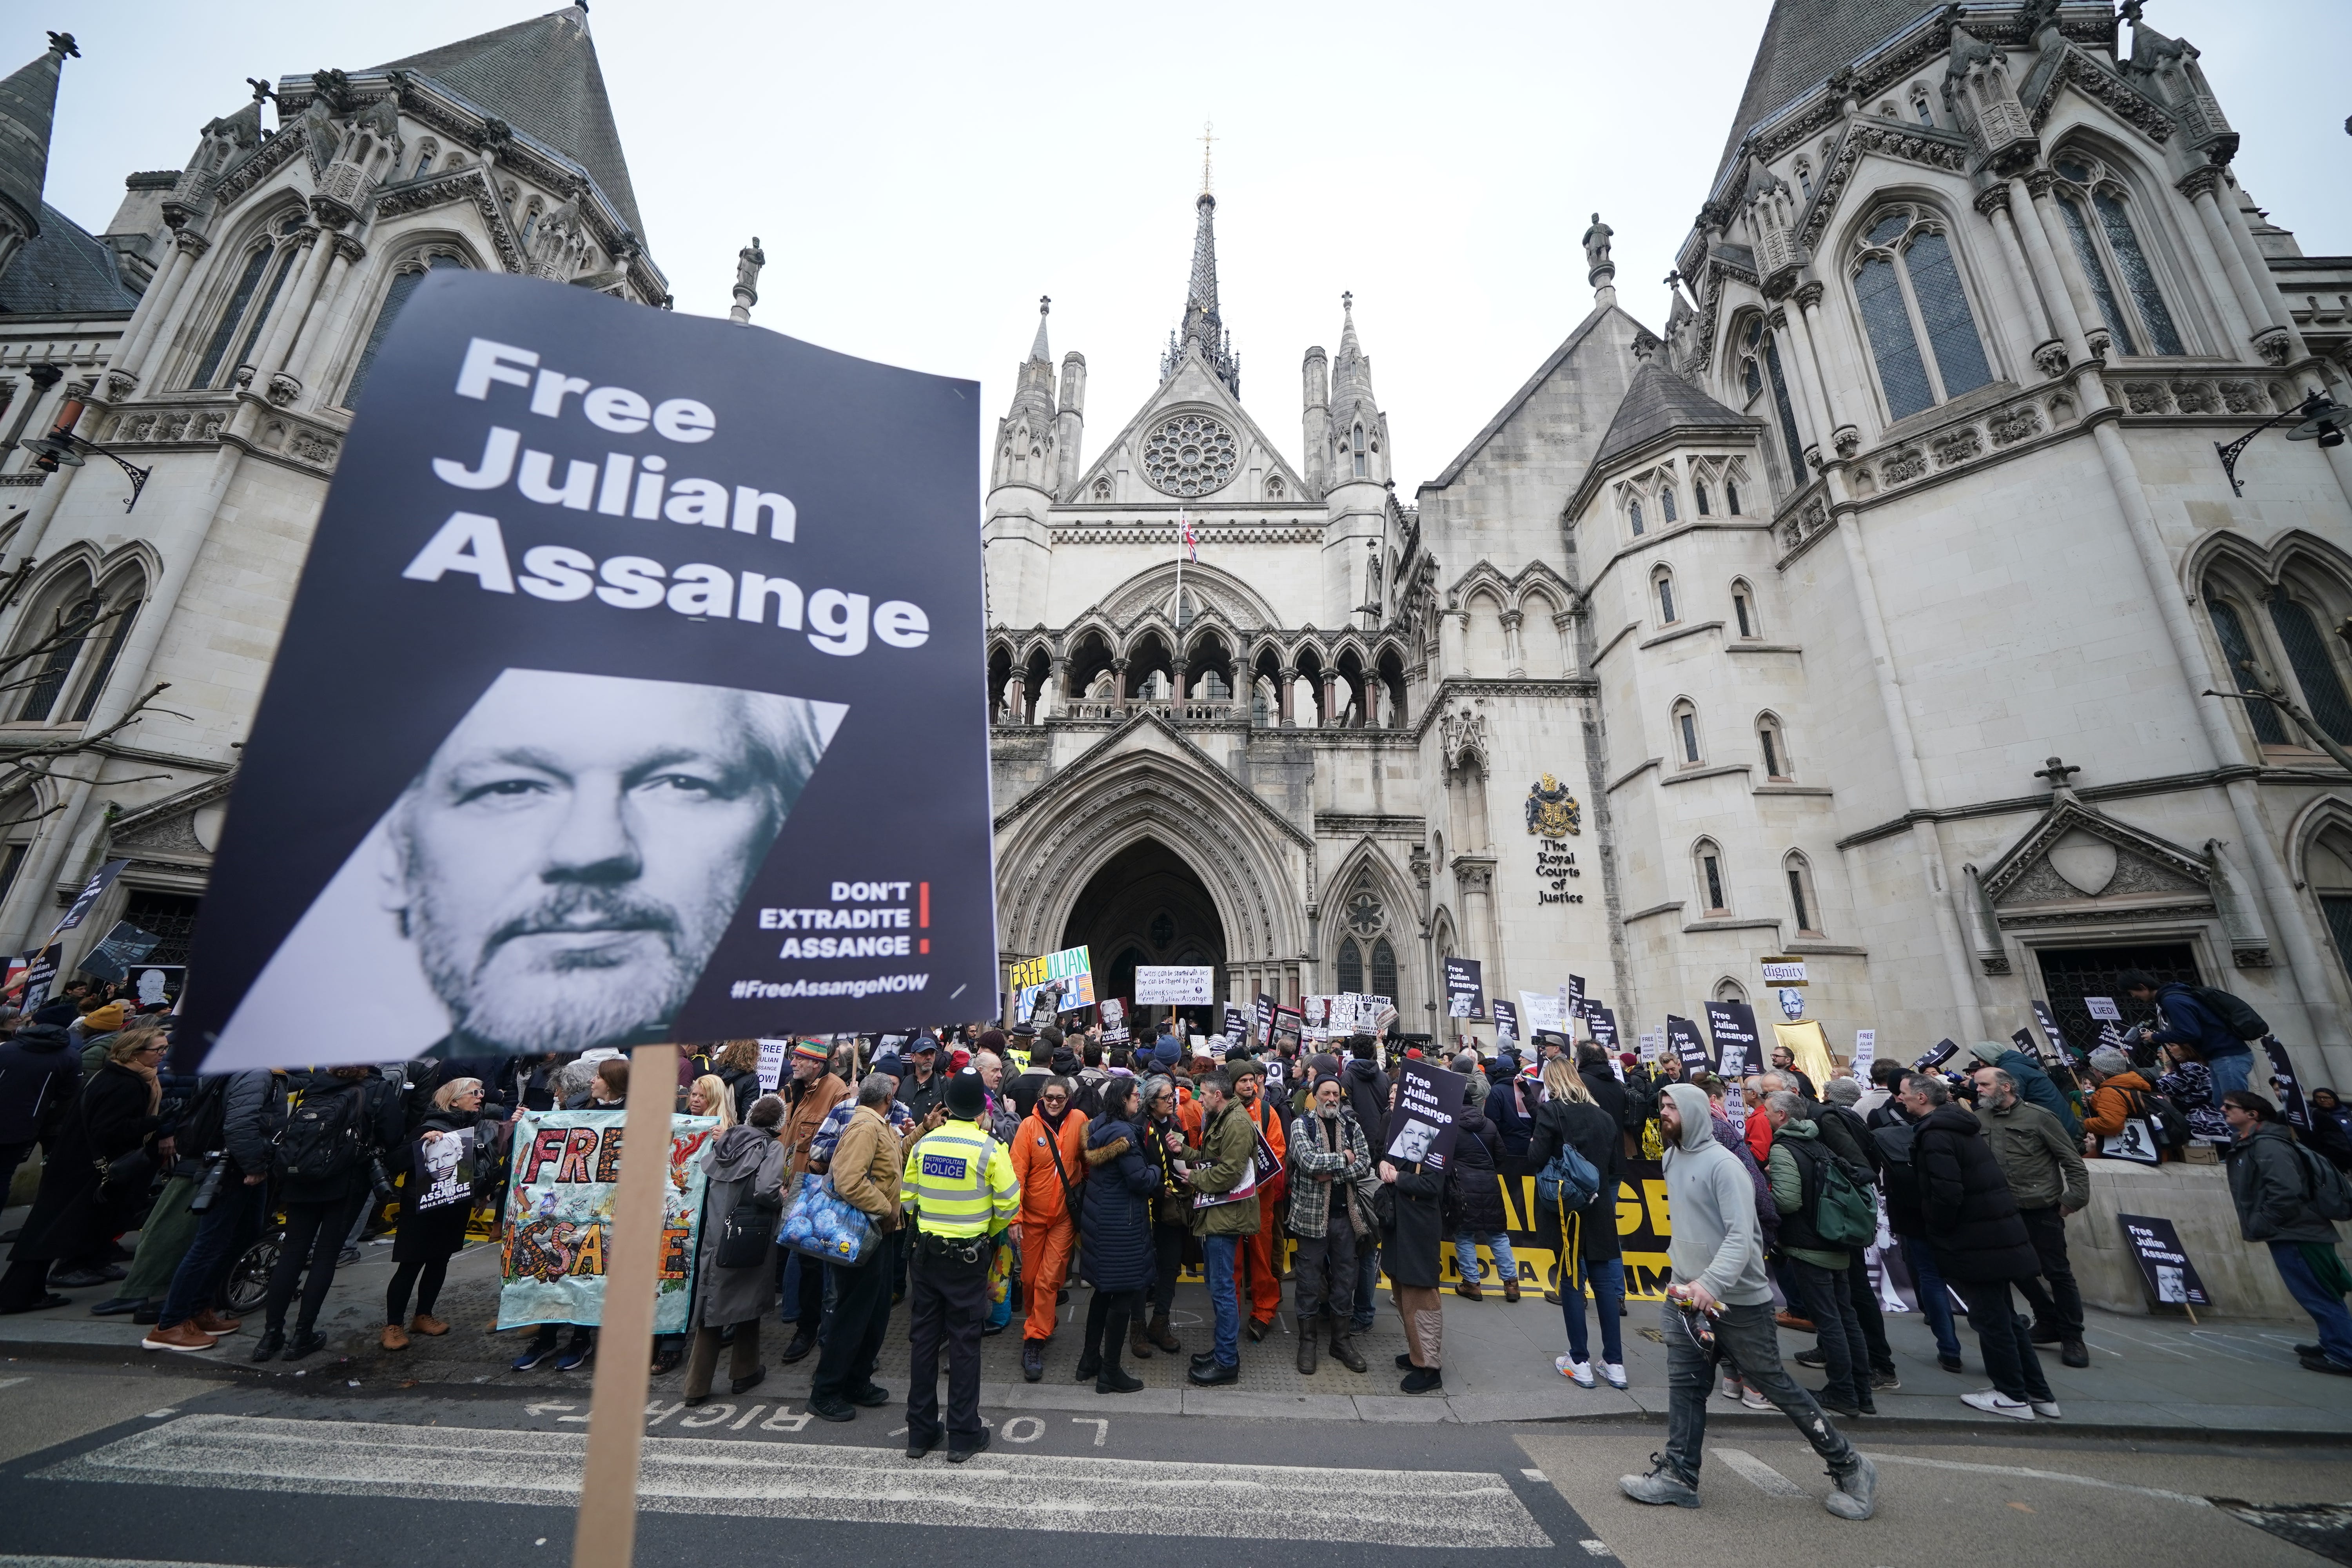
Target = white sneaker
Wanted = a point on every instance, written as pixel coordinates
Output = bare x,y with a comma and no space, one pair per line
1613,1375
1579,1373
1753,1400
1730,1389
1993,1403
2046,1408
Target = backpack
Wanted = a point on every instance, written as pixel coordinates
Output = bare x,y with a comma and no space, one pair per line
322,1140
2236,1017
2171,1126
204,1128
2323,1186
1568,1180
1845,1212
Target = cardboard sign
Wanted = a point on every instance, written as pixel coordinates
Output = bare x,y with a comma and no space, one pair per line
1732,1023
2055,1051
1465,995
706,594
1427,1119
1604,1028
2171,1279
772,1055
1538,1012
1784,972
1265,1017
1111,1013
118,950
1571,999
445,1171
1071,971
2104,1009
1682,1037
40,974
1236,1025
1506,1021
100,880
2292,1104
1653,1042
1944,1051
1289,1028
1865,1051
560,1194
1174,984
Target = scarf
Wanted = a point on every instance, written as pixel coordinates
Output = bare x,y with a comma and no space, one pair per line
155,1084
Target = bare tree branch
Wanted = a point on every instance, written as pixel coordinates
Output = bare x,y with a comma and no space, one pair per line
28,764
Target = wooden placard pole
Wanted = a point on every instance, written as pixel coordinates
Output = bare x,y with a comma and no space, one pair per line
606,1535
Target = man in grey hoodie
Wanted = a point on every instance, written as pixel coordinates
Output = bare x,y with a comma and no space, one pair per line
1718,1254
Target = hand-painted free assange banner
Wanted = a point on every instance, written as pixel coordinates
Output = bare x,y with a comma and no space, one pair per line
628,695
567,1167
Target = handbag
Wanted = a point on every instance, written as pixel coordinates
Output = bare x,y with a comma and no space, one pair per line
820,1224
747,1234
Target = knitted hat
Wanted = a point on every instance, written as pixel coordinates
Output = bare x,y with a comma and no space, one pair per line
890,1063
958,1058
810,1051
966,1095
989,1041
103,1020
1164,1053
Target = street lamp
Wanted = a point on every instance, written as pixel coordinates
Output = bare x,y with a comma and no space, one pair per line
2324,421
62,447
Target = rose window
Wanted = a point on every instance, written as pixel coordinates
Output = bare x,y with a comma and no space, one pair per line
1190,455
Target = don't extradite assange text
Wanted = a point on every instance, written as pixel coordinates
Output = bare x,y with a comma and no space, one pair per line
628,693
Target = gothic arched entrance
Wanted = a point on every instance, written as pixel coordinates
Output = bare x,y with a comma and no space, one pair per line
1146,905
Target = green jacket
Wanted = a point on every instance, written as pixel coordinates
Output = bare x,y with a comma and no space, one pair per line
1787,1180
2043,1166
1228,1144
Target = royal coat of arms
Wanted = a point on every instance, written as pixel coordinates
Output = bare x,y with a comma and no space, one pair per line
1551,810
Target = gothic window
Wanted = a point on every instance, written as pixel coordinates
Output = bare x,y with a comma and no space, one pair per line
1634,515
1102,489
1351,966
1698,493
1274,487
1919,105
1163,929
1806,908
2099,223
1731,495
1765,346
1362,470
404,283
242,321
1666,502
70,641
425,155
2314,670
530,223
2327,870
1662,582
1708,879
1727,990
66,636
1774,743
1384,968
1805,178
2238,652
1916,312
1743,608
1685,729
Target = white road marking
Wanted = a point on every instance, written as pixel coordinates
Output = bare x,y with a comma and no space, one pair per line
1022,1430
1595,1548
1759,1474
32,1561
1538,1477
1437,1508
164,1414
2033,1475
1100,1425
13,1382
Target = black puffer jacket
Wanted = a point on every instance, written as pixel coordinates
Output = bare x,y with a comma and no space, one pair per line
1474,1195
1588,1129
38,1076
1971,1216
1368,1097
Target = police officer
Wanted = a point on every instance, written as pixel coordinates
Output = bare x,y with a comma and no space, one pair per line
961,1195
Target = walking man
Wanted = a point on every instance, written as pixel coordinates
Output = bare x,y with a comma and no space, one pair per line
960,1193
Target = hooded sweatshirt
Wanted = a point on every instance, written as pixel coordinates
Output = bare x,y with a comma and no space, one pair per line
1716,1241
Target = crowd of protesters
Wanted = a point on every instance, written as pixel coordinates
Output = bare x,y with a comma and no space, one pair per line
1117,1168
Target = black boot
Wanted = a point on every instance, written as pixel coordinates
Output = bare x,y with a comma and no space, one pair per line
1307,1327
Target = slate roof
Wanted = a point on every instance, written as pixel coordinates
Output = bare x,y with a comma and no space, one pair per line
28,104
1803,42
64,271
540,77
1656,401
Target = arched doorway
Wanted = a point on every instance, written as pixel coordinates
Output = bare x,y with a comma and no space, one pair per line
1146,905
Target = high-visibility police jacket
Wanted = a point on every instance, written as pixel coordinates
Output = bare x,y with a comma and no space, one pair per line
959,1182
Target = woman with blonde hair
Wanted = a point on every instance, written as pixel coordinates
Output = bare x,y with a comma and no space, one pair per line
708,1096
736,1062
1585,1242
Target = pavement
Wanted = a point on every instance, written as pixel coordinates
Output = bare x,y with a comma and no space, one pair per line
2148,1377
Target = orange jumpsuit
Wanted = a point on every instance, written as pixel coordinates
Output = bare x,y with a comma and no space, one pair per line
1047,1232
1257,1274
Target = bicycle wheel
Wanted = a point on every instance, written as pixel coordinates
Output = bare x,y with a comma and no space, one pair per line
249,1277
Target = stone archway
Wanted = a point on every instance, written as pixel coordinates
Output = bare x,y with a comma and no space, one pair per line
1146,906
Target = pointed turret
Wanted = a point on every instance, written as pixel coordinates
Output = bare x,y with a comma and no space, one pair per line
1356,490
1203,327
1025,478
28,104
1358,429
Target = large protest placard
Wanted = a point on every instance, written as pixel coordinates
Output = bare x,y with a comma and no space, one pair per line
1538,1012
773,1054
2164,1267
1071,971
560,1194
1682,1038
1730,1024
2291,1103
1603,1023
1465,995
1428,1113
628,695
1174,984
444,1170
1506,1021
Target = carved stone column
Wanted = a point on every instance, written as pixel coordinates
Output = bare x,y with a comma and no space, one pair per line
2049,349
1514,660
1016,699
2241,303
1286,684
1330,699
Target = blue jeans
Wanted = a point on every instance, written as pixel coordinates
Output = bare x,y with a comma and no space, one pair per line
1368,1279
1607,1278
223,1231
1935,1300
1746,1335
2230,1072
2327,1310
1218,1250
1466,1255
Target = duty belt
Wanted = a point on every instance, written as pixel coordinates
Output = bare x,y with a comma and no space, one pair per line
955,1249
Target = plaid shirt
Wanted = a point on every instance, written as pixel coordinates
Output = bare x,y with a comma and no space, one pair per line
1350,1166
828,1134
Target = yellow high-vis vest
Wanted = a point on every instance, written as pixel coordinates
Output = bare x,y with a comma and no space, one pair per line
959,1182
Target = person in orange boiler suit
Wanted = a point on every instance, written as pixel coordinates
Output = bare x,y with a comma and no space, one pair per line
1049,1159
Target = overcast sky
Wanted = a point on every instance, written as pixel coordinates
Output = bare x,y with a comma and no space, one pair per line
921,174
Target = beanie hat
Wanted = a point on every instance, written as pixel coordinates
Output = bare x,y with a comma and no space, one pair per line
810,1051
1842,1092
103,1020
1327,1078
1164,1053
960,1057
890,1062
989,1041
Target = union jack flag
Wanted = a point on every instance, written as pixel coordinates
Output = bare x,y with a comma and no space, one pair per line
1192,541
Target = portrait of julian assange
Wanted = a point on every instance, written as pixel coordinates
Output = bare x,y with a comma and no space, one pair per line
555,879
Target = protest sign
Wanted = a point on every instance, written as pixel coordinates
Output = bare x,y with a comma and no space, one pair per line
1236,1025
1572,997
1465,995
1784,972
1506,1021
1427,1118
2291,1103
1111,1013
1732,1023
1809,1045
715,613
1265,1018
1538,1012
1174,984
2056,1051
1288,1026
1604,1027
116,952
40,972
1944,1051
2104,1009
100,880
1865,1051
2023,1040
771,1064
559,1204
1071,970
2171,1279
1652,1044
445,1171
1682,1038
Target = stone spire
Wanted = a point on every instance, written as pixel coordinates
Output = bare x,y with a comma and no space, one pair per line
1038,352
1358,429
28,102
1026,436
1202,324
